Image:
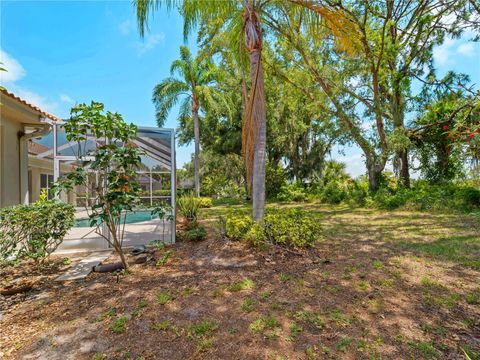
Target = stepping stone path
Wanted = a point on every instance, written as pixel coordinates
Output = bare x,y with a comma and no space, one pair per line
84,267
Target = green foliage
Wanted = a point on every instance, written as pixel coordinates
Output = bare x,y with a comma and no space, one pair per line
292,192
163,260
267,325
205,202
256,236
203,328
119,325
196,233
236,226
115,162
187,206
289,227
163,297
33,231
423,196
276,179
245,284
334,193
248,305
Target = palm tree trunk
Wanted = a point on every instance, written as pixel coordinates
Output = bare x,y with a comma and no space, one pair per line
196,133
253,44
259,155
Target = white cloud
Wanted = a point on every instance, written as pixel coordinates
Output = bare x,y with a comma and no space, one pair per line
442,54
66,99
355,164
35,99
125,27
14,72
466,49
447,53
150,42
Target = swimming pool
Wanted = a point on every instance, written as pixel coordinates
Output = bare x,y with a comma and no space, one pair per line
133,217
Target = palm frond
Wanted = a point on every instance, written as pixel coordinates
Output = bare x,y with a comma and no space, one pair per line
166,95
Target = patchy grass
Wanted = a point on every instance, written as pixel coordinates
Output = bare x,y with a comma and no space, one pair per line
203,328
378,285
163,325
248,305
119,325
245,284
163,297
163,260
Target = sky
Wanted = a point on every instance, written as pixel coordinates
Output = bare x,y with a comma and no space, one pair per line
60,53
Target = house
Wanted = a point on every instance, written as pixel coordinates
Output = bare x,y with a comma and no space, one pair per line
22,174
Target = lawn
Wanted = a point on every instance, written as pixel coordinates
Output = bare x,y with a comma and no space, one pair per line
390,285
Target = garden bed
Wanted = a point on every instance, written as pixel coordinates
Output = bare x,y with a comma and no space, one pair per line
379,284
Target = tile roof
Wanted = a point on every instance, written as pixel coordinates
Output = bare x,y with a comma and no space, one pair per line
35,148
30,105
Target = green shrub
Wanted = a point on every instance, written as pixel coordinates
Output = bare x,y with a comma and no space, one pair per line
292,192
423,196
188,206
198,233
236,226
205,202
256,236
35,230
334,192
292,227
288,227
276,180
357,192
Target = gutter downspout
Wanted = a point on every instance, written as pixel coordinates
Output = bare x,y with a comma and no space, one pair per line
23,138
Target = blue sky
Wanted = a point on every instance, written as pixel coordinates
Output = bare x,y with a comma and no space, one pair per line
62,53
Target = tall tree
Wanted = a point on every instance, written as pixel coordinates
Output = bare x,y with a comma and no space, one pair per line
394,43
194,87
242,21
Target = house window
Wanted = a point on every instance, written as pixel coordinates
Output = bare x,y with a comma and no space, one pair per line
46,182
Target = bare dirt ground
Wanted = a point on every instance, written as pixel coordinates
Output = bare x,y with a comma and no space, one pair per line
379,285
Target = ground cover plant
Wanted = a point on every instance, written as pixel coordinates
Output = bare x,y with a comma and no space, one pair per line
377,284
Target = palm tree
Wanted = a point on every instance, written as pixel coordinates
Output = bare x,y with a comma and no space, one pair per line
194,87
242,21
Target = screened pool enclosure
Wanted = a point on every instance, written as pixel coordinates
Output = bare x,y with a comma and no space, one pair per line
53,156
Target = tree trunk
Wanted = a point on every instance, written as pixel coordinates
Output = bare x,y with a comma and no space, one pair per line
374,173
257,116
259,157
398,112
260,122
404,173
196,133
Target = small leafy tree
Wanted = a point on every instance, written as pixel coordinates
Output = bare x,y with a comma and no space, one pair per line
115,160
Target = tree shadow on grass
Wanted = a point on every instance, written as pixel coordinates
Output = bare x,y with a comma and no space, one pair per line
464,250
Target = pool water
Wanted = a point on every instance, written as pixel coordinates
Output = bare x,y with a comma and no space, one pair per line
133,217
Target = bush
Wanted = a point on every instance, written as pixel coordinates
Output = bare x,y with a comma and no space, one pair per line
205,202
334,193
423,196
292,227
236,225
196,233
292,192
33,231
188,206
289,227
276,180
